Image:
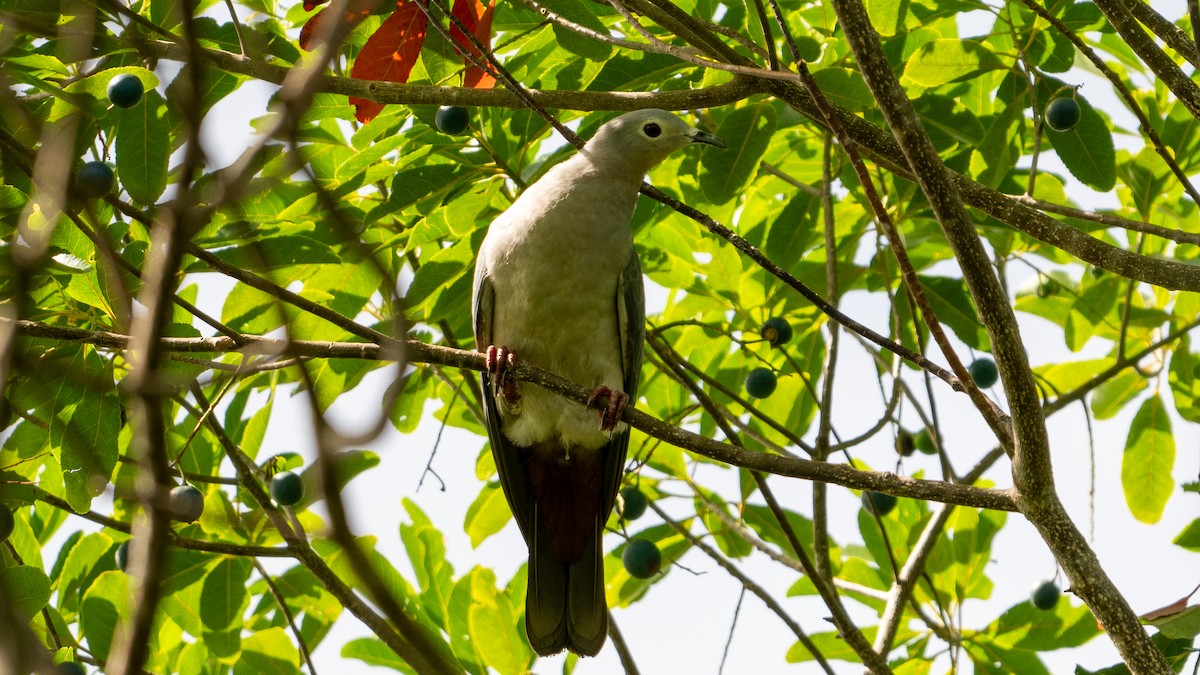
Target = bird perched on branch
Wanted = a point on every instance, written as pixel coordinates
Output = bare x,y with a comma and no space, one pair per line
557,281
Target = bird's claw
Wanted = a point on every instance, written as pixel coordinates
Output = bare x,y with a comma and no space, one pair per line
611,412
499,360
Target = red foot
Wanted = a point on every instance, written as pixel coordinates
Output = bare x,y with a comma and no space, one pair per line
499,360
609,414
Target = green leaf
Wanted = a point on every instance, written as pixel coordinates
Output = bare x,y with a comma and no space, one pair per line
747,132
576,43
143,148
953,306
1185,386
1087,149
26,588
96,84
182,586
223,596
1148,460
887,15
1181,625
947,60
487,515
85,426
374,652
1111,397
1024,626
845,87
992,659
492,621
1190,537
83,564
268,652
104,603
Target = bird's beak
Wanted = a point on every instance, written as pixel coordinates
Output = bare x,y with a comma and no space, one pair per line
698,136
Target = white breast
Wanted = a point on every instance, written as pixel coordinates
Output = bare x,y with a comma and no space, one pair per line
554,260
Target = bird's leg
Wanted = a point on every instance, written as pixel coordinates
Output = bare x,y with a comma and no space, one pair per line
499,360
611,413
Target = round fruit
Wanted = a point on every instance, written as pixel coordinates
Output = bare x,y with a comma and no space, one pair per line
451,119
984,372
6,523
878,502
1097,272
776,331
123,556
904,443
1047,288
95,180
760,383
642,558
924,442
185,503
632,503
1062,114
286,488
1045,595
70,668
125,90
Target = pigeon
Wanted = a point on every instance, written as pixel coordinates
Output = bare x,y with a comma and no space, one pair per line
557,281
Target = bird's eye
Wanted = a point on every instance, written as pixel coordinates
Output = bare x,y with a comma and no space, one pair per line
652,130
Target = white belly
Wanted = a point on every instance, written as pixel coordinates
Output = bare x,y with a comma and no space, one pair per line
555,306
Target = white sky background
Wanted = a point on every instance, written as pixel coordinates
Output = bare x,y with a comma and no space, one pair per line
683,623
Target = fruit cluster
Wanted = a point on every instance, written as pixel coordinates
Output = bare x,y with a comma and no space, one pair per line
95,179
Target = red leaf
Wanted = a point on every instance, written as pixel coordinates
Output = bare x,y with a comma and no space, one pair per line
356,10
390,54
1173,608
478,19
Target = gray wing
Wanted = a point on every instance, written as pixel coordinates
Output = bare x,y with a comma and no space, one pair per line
631,327
507,456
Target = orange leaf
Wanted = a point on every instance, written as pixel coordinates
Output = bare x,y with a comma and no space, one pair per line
390,54
478,19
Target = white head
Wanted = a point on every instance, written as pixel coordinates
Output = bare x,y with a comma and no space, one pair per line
638,140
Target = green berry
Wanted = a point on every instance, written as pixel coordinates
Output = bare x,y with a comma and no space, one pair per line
1097,272
760,383
642,558
452,119
984,372
776,331
1062,114
286,488
632,503
185,503
924,442
123,556
1045,595
878,502
95,180
125,90
904,443
7,522
70,668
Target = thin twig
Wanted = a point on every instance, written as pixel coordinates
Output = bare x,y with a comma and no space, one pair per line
737,611
749,585
623,652
287,614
